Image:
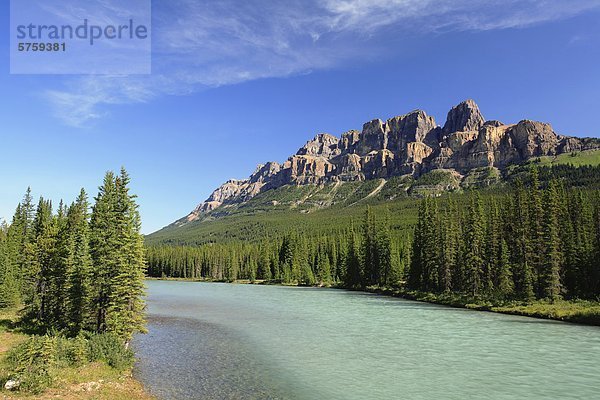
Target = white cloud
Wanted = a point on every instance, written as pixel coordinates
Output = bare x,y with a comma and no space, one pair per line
200,44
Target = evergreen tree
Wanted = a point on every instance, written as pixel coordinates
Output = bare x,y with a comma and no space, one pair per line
449,243
79,266
353,276
520,246
415,273
264,263
370,259
535,241
126,307
104,247
384,251
550,275
117,251
474,245
504,283
323,268
39,260
9,288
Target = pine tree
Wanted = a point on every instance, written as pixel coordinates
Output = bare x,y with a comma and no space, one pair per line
353,276
370,259
79,267
117,251
384,250
57,271
535,242
504,283
520,246
323,267
415,273
550,275
492,248
448,243
39,259
474,245
264,262
431,250
9,288
125,314
104,249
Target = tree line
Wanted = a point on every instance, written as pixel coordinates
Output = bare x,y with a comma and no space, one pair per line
535,241
74,270
366,255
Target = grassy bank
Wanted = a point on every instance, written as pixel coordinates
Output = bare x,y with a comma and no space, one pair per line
575,311
57,378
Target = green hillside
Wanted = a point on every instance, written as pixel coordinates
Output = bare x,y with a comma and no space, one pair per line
316,209
577,159
320,210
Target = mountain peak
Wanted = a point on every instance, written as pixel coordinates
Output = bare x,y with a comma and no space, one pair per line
410,144
323,144
464,117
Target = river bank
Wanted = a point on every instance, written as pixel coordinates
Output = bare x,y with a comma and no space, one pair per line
574,311
94,380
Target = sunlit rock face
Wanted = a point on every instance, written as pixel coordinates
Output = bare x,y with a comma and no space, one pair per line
410,144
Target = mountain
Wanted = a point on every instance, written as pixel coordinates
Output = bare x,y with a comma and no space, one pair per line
407,147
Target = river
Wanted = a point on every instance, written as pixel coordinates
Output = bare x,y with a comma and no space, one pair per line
228,341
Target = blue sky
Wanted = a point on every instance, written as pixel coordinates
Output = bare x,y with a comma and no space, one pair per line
235,84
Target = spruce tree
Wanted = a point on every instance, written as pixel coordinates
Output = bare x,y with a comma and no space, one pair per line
104,249
415,272
9,287
39,258
518,220
535,242
449,243
323,267
79,266
384,250
370,260
474,246
504,284
353,277
550,275
117,251
126,305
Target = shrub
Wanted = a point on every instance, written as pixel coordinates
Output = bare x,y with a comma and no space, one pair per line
37,361
31,361
109,348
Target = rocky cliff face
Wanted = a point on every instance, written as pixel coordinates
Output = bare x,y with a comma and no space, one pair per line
410,144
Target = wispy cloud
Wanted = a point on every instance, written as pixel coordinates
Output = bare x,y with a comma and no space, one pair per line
203,44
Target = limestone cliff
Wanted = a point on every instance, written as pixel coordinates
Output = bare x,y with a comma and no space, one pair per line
411,144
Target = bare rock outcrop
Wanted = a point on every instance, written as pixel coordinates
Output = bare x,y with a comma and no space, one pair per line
410,144
464,117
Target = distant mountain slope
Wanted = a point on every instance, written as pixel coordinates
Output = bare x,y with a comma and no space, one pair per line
407,149
319,210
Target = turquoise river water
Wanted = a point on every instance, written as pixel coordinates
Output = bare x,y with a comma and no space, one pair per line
227,341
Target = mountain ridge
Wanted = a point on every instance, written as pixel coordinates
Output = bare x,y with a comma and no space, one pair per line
408,145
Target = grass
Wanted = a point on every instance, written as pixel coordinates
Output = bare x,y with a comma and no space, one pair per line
94,380
577,159
579,311
576,311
